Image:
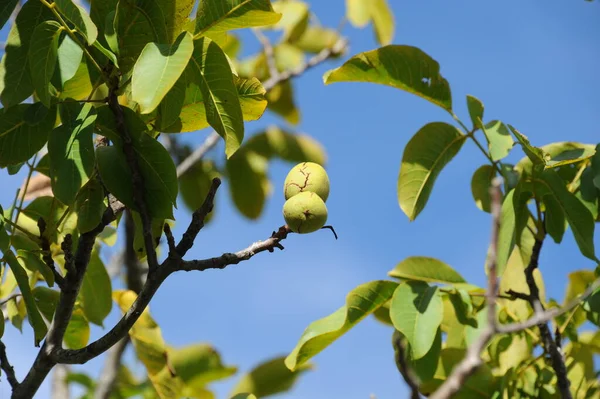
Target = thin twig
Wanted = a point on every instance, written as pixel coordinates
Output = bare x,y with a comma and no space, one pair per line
7,368
268,50
60,385
198,154
400,358
472,360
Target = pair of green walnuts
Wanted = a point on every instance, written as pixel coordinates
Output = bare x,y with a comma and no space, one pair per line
306,189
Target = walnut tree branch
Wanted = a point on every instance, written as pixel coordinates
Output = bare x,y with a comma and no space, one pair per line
472,360
7,368
403,367
137,179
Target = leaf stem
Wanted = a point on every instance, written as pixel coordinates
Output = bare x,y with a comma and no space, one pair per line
31,168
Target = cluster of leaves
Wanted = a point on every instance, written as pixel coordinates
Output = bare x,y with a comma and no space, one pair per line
174,67
436,313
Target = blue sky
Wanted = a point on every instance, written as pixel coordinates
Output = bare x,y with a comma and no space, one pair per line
533,64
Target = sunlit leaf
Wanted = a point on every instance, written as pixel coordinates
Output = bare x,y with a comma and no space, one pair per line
416,311
294,20
157,69
400,66
80,18
269,378
383,21
536,155
425,155
78,330
224,15
360,302
198,365
32,261
475,111
277,143
69,58
422,268
317,38
500,142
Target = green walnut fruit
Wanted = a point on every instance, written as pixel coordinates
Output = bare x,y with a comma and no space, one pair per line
305,212
306,177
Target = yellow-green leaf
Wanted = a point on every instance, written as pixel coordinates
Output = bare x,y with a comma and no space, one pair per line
480,186
500,142
360,302
383,21
157,69
78,332
96,291
271,377
427,269
80,18
403,67
425,155
224,15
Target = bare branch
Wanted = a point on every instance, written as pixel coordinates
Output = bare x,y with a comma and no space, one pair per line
7,368
136,175
110,372
400,358
268,50
198,218
472,360
60,386
198,154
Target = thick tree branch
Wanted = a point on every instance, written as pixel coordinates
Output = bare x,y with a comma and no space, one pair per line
45,359
154,280
7,368
136,175
400,358
337,49
472,360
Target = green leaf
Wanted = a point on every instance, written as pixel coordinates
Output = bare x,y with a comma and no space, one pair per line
138,237
482,384
96,291
425,155
500,142
383,21
248,182
271,377
417,311
43,54
32,261
157,169
506,234
358,12
316,39
480,187
224,15
570,153
291,147
294,20
89,206
403,67
150,348
198,365
6,11
69,57
16,312
71,150
77,335
47,300
213,75
424,367
195,184
360,302
251,94
80,18
157,69
536,155
475,111
554,221
422,268
281,101
15,81
35,319
579,217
